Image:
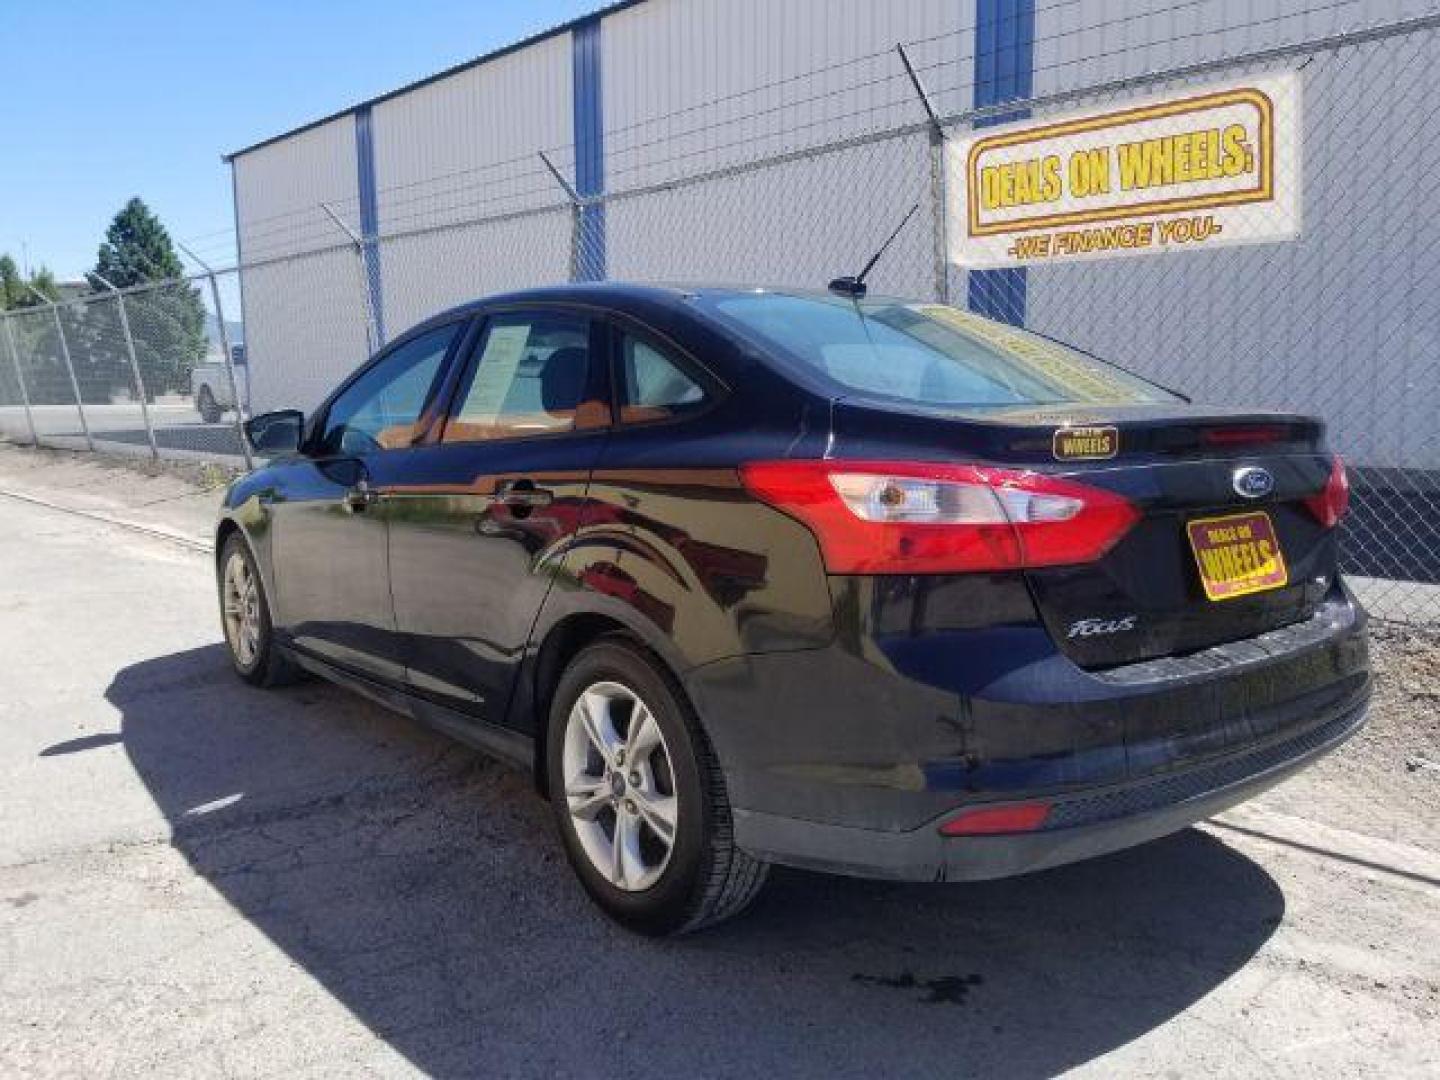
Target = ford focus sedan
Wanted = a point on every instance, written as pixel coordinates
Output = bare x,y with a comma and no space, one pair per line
747,577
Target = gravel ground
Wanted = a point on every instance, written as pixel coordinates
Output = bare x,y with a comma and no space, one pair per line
1387,781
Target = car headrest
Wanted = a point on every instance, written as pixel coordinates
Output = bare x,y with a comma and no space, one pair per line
562,379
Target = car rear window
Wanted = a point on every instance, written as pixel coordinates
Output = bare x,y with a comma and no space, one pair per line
928,354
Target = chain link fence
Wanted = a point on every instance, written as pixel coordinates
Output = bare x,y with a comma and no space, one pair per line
1341,322
155,370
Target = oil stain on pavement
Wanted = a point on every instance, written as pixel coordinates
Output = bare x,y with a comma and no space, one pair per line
943,990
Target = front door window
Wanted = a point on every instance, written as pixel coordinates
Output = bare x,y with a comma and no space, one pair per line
380,410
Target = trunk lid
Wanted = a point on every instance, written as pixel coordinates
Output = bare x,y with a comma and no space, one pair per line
1190,472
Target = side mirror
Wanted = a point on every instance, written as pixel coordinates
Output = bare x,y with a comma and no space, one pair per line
275,434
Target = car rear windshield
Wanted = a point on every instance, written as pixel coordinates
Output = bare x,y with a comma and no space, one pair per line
928,354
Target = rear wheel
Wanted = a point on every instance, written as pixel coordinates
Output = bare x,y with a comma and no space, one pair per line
245,616
640,798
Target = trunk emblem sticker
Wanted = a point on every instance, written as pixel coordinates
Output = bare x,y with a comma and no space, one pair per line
1085,443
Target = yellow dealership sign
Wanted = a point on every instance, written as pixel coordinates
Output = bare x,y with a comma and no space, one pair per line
1189,172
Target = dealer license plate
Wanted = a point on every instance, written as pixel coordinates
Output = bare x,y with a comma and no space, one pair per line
1237,554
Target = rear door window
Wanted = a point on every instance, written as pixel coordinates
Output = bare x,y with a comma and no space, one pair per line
653,385
531,378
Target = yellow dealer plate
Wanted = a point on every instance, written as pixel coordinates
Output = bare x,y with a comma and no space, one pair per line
1238,554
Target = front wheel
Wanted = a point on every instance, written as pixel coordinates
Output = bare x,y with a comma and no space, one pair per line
245,617
640,798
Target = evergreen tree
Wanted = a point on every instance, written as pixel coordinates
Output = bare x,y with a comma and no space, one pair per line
167,323
12,286
32,336
137,248
13,291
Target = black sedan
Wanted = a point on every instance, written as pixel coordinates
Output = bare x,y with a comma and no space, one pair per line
861,585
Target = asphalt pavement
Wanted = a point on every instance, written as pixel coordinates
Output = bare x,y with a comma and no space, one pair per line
199,878
120,428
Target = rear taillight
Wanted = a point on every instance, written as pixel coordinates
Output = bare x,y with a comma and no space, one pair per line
1334,499
888,517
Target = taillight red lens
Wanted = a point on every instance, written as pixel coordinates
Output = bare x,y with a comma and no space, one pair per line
890,517
1334,499
989,820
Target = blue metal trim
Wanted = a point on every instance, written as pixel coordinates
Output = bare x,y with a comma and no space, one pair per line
1004,71
589,121
369,217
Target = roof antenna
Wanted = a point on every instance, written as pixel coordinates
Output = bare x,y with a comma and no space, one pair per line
854,287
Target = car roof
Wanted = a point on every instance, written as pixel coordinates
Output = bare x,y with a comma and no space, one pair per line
625,297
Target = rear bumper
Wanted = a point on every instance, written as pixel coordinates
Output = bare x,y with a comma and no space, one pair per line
1080,825
846,758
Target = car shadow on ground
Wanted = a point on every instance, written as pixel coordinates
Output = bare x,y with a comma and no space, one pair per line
424,888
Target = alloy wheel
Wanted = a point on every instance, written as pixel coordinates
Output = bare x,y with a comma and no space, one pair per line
241,605
619,786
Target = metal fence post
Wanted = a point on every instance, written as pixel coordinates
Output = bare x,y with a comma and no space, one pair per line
225,348
65,355
372,327
229,368
20,378
74,382
577,214
134,362
937,181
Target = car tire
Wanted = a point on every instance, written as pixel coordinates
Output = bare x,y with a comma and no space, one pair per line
210,410
245,619
704,878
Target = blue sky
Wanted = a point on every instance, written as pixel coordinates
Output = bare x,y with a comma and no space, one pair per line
113,99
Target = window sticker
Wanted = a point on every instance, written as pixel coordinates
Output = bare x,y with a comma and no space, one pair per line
504,348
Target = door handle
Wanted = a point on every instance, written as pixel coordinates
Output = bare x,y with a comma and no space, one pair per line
360,496
523,494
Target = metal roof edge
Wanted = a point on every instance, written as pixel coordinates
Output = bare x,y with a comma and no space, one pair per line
494,54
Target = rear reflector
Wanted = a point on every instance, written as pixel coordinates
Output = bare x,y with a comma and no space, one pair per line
987,821
1334,499
892,517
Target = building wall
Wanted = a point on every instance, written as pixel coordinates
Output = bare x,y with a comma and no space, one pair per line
301,320
466,147
1308,325
692,86
675,88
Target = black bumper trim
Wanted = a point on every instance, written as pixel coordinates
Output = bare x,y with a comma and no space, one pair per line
1156,793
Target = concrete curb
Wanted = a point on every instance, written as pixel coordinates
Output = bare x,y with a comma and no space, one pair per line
184,541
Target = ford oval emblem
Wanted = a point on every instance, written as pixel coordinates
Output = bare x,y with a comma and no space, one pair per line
1253,482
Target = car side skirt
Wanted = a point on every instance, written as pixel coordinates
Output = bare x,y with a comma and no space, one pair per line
506,744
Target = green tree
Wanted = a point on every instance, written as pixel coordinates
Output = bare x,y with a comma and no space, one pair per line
167,322
13,291
33,337
12,285
137,249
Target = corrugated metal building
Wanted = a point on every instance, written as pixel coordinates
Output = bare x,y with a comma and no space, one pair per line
446,173
625,97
